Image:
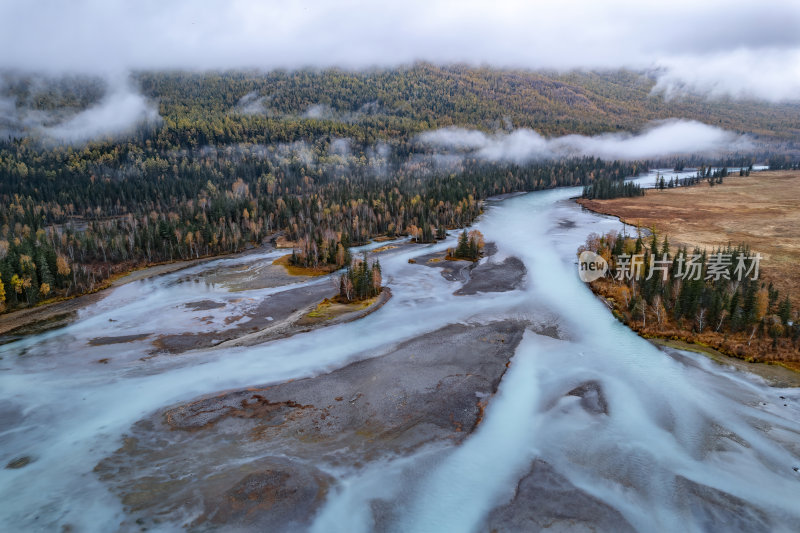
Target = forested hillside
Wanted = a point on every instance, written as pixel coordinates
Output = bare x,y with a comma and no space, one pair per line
399,103
325,158
219,108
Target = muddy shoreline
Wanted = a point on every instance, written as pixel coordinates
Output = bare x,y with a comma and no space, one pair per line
263,455
485,275
776,375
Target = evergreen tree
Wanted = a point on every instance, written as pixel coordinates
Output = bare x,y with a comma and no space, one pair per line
462,249
785,310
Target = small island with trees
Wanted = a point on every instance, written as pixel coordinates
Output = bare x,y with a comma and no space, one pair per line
469,248
362,281
360,293
316,257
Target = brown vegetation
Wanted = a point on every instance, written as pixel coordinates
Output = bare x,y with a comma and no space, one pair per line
384,248
335,307
297,270
661,324
760,210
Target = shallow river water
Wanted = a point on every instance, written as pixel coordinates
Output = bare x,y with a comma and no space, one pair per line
685,444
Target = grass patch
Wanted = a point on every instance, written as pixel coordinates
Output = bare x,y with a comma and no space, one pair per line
384,248
760,210
330,308
294,270
449,257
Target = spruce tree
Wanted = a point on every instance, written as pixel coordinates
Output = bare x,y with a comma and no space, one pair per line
785,310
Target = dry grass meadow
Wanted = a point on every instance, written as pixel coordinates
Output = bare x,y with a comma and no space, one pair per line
762,210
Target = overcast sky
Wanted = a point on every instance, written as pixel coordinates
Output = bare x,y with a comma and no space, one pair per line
733,47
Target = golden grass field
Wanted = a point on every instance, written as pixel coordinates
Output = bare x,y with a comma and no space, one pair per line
762,210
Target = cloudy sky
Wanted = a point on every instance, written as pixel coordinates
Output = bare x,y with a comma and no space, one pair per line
732,47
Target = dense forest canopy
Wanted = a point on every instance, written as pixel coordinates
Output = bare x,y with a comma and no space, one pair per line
246,106
325,159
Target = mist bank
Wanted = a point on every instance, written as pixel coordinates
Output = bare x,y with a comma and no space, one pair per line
657,140
73,109
117,114
687,45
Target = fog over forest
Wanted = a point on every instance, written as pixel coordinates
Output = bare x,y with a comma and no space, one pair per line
717,49
722,48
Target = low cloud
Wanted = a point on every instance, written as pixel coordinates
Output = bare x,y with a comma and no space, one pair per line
772,75
340,147
252,104
662,139
326,112
319,111
116,114
120,111
721,47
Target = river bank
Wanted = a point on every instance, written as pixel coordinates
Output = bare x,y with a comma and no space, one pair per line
741,210
754,353
498,395
311,317
57,313
708,218
61,311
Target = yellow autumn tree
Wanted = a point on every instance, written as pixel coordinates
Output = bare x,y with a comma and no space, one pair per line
762,303
16,284
62,266
477,236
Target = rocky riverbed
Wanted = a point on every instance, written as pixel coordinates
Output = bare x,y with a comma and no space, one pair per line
258,457
486,275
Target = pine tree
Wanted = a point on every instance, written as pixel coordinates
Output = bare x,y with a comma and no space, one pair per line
619,245
735,312
749,304
785,310
462,249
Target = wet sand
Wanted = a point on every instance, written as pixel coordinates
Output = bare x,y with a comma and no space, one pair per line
275,312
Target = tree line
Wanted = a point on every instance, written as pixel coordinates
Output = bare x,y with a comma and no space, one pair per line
150,208
698,291
606,189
